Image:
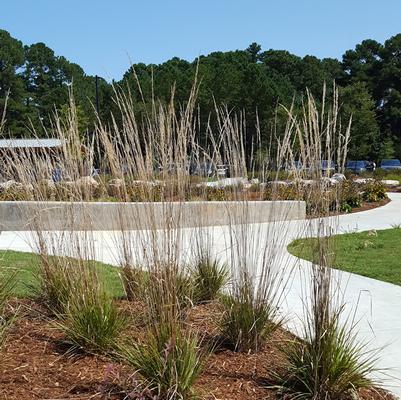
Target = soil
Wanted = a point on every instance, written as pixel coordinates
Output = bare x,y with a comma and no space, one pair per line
37,364
369,206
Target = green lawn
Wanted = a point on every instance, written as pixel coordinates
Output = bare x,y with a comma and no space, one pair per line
377,257
25,265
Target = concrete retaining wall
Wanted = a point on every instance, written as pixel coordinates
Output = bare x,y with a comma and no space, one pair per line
26,215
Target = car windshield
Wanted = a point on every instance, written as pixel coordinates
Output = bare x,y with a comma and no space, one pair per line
391,162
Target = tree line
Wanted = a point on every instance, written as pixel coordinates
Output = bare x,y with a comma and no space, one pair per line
253,81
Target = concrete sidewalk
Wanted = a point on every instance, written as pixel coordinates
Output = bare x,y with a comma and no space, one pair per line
377,305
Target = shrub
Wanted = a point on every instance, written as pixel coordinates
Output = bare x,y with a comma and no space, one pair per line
209,277
350,194
145,192
216,194
333,366
287,191
99,191
169,361
91,320
374,191
345,207
16,192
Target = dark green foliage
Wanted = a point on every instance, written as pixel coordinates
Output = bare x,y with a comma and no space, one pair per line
345,207
333,366
11,82
209,278
169,361
251,80
374,191
358,103
350,195
247,319
90,319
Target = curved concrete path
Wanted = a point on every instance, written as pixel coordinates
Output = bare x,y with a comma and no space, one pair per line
375,305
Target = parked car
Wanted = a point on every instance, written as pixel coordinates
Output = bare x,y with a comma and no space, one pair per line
358,166
296,165
327,166
390,164
201,169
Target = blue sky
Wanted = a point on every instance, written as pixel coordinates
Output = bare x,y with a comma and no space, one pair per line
102,36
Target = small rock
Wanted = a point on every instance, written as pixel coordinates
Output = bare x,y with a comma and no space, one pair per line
339,177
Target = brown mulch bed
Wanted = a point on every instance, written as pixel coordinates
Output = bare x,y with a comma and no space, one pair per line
369,206
37,364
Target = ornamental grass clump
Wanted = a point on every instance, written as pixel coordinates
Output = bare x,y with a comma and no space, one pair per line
57,278
247,321
334,366
259,268
148,158
7,283
91,320
328,361
169,360
209,277
151,157
134,281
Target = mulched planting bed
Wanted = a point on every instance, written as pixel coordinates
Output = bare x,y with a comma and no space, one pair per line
36,363
369,206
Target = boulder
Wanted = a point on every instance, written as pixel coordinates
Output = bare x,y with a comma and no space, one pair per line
339,177
329,181
87,181
361,181
390,183
226,182
11,184
252,182
116,182
304,182
279,183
